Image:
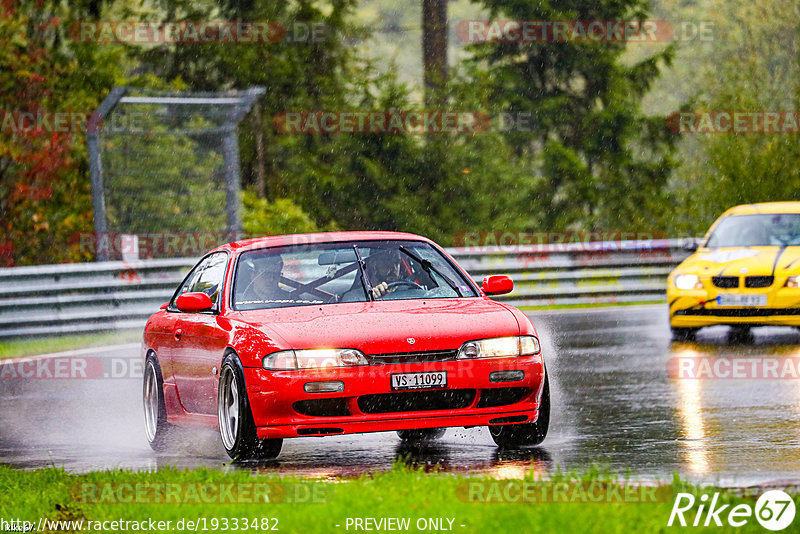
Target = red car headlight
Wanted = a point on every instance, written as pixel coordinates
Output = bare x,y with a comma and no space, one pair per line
313,359
500,347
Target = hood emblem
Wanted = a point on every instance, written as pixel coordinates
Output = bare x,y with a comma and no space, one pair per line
411,340
743,270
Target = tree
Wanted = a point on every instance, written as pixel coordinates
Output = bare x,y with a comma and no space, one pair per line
756,68
434,50
596,160
389,181
38,163
45,196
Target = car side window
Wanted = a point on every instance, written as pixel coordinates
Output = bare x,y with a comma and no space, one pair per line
207,277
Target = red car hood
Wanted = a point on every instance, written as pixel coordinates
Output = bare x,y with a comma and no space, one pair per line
385,327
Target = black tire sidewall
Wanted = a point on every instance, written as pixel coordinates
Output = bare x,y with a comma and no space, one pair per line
683,333
421,434
526,434
245,440
162,426
247,445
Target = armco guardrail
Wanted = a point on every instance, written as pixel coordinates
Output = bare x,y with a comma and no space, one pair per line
85,297
603,272
90,297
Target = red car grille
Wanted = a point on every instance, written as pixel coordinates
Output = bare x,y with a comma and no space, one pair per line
414,401
412,357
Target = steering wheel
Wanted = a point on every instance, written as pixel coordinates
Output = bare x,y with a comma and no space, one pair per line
407,283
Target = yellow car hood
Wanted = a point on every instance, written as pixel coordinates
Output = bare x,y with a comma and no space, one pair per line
743,261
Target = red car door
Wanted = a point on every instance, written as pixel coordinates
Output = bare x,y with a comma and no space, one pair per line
161,338
199,341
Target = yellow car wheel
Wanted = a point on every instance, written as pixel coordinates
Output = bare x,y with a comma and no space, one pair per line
683,334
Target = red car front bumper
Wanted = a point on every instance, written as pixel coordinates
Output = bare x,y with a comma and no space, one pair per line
283,409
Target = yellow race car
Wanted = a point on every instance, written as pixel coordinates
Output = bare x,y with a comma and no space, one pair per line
745,272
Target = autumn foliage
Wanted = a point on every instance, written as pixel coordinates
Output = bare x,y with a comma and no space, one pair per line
43,195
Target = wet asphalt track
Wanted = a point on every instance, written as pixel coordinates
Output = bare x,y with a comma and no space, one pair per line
614,405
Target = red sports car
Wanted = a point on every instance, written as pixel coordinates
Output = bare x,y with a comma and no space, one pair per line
339,333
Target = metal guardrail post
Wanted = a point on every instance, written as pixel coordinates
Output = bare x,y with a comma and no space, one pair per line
230,152
96,167
233,105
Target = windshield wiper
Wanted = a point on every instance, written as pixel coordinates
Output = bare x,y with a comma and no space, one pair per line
363,268
430,269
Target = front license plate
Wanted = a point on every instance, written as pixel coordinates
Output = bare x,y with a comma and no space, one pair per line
435,379
742,300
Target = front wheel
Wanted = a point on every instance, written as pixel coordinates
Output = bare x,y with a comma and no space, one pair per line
236,426
512,436
156,427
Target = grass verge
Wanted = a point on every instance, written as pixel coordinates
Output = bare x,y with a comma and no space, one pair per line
16,348
427,501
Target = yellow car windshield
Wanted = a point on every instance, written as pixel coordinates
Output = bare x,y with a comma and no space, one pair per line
758,230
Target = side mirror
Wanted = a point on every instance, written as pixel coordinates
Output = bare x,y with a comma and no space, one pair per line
193,302
691,245
497,284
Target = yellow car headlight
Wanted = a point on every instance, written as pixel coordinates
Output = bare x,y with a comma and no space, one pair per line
687,281
793,281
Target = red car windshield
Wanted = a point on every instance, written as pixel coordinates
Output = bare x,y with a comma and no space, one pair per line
331,273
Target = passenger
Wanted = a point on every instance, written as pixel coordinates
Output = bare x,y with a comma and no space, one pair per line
264,285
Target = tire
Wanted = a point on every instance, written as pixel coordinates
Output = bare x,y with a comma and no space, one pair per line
421,435
740,334
525,434
236,426
156,427
684,334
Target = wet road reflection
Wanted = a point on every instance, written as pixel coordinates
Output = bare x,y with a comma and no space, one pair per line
616,391
614,406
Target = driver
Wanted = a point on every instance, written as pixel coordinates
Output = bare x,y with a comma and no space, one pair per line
754,236
264,285
385,268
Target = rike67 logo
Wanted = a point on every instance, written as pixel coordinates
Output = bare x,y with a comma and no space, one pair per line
774,510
